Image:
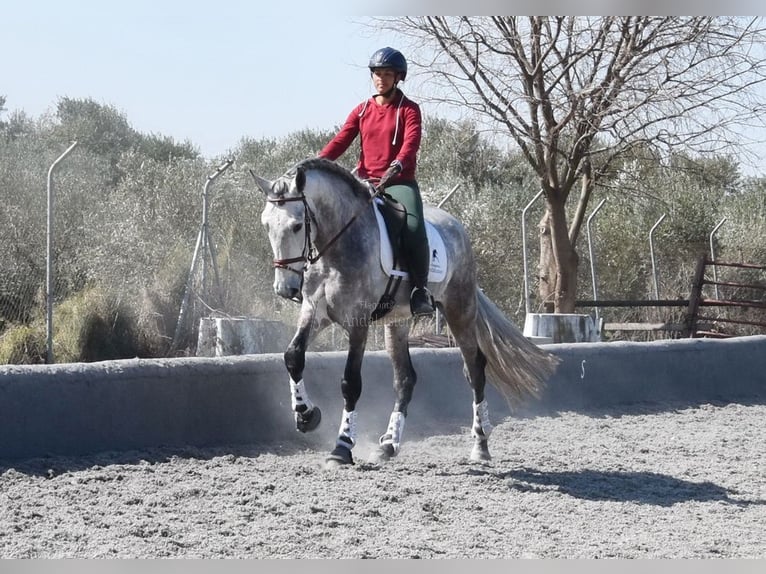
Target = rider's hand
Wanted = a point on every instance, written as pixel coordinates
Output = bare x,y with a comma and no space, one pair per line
394,170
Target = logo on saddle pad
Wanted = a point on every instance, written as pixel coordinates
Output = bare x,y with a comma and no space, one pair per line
438,270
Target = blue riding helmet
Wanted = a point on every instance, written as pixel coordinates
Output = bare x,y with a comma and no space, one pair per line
389,58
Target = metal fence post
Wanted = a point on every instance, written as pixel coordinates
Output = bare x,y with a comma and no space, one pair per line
651,254
206,240
449,195
524,248
49,259
712,257
592,259
204,244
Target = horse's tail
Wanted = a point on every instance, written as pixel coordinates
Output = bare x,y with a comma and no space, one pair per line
515,366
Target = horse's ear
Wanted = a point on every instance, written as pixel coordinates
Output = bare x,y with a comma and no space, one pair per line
300,179
263,184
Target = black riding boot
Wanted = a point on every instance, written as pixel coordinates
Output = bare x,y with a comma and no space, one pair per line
421,301
415,246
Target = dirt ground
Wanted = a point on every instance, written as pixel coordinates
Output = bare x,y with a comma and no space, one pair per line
644,482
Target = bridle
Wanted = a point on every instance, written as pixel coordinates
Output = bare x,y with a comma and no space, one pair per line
310,253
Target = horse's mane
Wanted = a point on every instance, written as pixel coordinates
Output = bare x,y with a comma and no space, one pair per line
358,187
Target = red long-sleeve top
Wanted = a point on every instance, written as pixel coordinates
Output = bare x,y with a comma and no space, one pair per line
389,132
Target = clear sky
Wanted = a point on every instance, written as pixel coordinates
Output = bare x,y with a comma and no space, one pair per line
209,72
213,72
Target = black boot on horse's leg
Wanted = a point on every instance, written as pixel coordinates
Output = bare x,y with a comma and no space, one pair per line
307,415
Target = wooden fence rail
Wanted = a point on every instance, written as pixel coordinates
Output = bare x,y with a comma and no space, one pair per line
696,324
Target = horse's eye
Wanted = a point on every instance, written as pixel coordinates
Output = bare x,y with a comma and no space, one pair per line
297,227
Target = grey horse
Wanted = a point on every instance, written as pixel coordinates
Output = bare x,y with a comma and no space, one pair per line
324,235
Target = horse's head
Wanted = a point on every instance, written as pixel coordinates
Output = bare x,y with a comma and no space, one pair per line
287,220
314,188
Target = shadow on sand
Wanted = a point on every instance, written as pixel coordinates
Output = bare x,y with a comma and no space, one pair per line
615,486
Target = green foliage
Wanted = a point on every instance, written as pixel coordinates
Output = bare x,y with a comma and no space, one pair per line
99,128
165,149
270,157
104,131
458,153
23,345
94,325
128,215
90,326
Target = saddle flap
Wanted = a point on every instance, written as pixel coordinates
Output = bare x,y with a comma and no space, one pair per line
438,268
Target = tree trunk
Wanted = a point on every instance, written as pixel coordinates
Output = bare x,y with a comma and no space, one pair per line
558,262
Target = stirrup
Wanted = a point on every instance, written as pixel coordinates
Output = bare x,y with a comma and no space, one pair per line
423,306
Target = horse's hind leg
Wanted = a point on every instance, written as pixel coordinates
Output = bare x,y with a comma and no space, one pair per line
461,319
397,345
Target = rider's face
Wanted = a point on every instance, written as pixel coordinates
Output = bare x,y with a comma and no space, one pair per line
383,79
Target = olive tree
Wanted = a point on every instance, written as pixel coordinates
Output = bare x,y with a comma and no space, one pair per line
577,93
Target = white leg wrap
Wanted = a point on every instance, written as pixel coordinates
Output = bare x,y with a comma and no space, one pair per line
395,430
299,396
347,430
481,428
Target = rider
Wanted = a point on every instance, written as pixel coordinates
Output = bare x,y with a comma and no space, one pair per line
390,125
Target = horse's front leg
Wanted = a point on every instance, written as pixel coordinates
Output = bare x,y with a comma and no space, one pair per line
351,388
311,322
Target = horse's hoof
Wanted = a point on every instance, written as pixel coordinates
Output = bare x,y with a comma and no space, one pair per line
340,456
308,421
382,454
480,452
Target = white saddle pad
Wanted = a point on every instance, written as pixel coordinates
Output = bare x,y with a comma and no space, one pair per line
438,270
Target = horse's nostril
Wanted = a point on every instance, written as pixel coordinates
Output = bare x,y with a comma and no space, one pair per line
295,294
287,292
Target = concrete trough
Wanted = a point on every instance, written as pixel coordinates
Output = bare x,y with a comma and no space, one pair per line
83,408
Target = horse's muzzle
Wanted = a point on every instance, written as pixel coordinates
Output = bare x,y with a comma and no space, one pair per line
288,283
287,292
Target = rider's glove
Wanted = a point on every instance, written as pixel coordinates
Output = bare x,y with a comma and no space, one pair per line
394,170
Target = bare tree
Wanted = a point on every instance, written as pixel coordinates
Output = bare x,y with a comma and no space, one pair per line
576,94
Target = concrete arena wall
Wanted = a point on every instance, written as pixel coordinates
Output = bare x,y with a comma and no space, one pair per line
82,408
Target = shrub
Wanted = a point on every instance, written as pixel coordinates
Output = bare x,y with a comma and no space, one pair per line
23,345
95,326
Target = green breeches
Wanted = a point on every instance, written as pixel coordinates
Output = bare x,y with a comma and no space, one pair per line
415,241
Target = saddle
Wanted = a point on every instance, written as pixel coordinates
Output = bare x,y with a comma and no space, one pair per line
392,217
